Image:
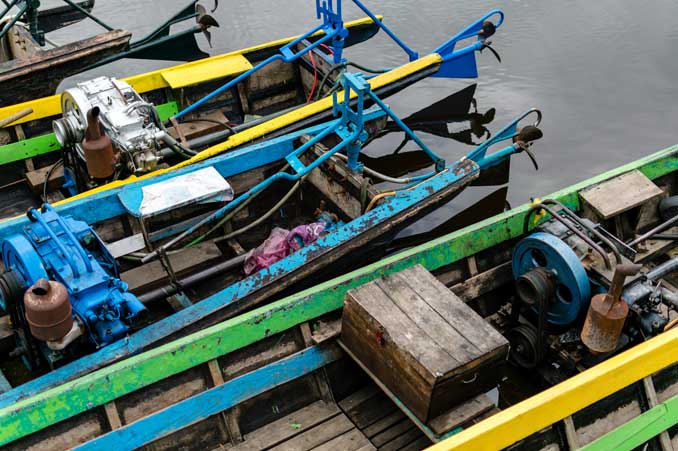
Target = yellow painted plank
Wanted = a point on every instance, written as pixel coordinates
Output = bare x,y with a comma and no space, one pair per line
219,67
51,106
550,406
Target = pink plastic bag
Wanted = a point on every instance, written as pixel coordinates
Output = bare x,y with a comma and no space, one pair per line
304,235
274,249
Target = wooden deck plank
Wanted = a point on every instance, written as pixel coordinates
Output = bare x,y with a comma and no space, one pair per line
380,426
394,431
352,440
461,414
402,440
287,427
317,435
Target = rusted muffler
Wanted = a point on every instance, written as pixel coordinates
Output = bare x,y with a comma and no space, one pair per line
607,313
99,154
48,310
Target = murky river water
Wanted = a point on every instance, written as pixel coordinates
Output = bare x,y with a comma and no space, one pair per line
600,71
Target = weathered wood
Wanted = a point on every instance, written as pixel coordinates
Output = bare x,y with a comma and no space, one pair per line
320,377
228,424
461,414
620,194
421,341
38,75
484,282
289,426
352,440
389,434
196,129
317,435
402,440
112,415
384,423
326,330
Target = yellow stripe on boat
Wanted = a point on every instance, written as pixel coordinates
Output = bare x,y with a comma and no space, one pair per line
221,66
550,406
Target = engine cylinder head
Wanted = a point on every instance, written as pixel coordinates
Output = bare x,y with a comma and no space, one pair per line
48,310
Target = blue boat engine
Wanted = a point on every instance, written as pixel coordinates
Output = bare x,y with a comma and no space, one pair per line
562,271
61,289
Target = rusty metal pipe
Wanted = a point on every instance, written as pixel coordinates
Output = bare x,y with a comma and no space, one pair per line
572,228
98,147
660,228
572,215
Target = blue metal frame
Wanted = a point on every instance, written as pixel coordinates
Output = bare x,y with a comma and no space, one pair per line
479,155
215,400
332,26
456,64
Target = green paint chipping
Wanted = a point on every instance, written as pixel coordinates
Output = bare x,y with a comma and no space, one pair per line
32,147
77,396
639,430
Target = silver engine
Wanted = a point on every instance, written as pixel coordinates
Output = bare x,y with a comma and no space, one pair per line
132,123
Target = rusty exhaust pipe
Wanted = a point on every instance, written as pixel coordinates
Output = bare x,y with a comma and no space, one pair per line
98,148
607,314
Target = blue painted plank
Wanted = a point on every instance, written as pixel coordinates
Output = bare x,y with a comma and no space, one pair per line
215,400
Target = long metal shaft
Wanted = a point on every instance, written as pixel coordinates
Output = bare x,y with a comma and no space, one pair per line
660,228
187,282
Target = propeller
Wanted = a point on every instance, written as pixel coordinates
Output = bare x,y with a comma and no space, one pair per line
205,21
488,29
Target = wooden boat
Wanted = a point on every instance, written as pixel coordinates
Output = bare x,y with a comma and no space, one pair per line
171,217
266,104
28,71
282,376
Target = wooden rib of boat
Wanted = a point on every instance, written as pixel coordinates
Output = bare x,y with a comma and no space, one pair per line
281,376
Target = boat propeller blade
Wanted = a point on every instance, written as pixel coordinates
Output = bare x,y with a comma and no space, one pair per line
487,45
524,139
205,21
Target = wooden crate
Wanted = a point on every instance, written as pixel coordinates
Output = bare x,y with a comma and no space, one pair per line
422,341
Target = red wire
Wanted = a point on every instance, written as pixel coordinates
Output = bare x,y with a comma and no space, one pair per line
315,78
327,48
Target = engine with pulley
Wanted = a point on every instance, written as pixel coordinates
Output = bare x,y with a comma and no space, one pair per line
61,289
108,131
579,294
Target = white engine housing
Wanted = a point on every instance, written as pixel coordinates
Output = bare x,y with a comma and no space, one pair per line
125,117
